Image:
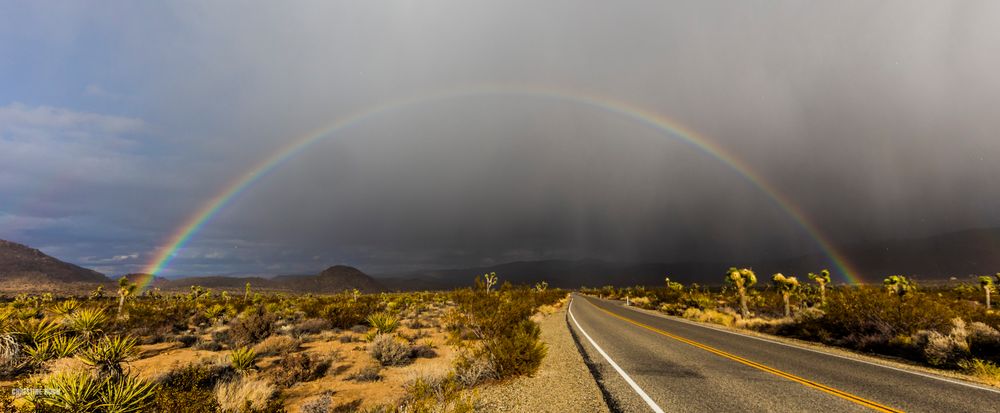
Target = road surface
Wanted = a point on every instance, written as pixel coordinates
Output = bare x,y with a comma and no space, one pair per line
646,362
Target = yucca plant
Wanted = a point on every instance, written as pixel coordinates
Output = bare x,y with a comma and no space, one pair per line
34,331
108,354
87,322
383,322
243,359
64,308
75,391
65,346
40,352
213,312
126,394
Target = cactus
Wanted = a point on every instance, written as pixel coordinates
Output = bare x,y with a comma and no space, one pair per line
742,278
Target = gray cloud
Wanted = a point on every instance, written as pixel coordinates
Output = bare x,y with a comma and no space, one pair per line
877,119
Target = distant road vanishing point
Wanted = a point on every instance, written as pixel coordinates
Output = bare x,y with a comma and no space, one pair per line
647,362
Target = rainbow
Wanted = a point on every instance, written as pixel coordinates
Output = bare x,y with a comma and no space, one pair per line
671,128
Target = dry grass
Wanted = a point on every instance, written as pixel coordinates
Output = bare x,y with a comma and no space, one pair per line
235,395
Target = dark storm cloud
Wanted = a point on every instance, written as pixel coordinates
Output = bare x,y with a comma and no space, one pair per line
877,119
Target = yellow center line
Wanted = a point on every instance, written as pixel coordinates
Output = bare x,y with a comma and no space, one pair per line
776,372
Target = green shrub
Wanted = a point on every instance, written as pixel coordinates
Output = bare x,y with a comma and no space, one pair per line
190,389
252,327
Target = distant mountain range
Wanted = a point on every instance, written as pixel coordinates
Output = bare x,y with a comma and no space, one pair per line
955,254
331,280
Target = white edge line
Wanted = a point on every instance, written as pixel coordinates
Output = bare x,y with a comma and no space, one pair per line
917,373
645,397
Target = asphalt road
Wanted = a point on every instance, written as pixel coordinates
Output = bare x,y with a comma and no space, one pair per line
645,362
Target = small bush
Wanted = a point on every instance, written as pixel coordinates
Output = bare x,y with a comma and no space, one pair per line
985,370
471,370
187,340
388,350
252,327
245,394
321,404
190,389
299,367
423,351
276,345
367,373
310,326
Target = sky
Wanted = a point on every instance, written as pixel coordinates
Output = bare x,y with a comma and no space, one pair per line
119,120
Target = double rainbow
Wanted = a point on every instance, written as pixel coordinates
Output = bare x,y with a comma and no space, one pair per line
667,126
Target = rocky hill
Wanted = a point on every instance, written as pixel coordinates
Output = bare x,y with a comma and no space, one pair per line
22,262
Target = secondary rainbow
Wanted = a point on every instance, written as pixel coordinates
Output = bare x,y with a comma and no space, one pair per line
196,221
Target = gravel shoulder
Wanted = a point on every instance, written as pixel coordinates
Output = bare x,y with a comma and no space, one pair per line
562,384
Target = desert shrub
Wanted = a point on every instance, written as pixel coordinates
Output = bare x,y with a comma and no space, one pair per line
431,393
345,313
983,369
473,369
252,327
866,318
276,345
295,368
984,341
208,345
190,389
501,321
310,326
321,404
246,394
186,340
368,372
423,351
389,350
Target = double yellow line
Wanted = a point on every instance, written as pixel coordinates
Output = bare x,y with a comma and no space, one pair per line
774,371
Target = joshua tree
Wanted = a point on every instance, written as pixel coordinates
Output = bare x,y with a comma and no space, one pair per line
126,290
491,280
898,285
672,285
742,278
987,283
246,293
98,293
786,285
823,278
541,286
